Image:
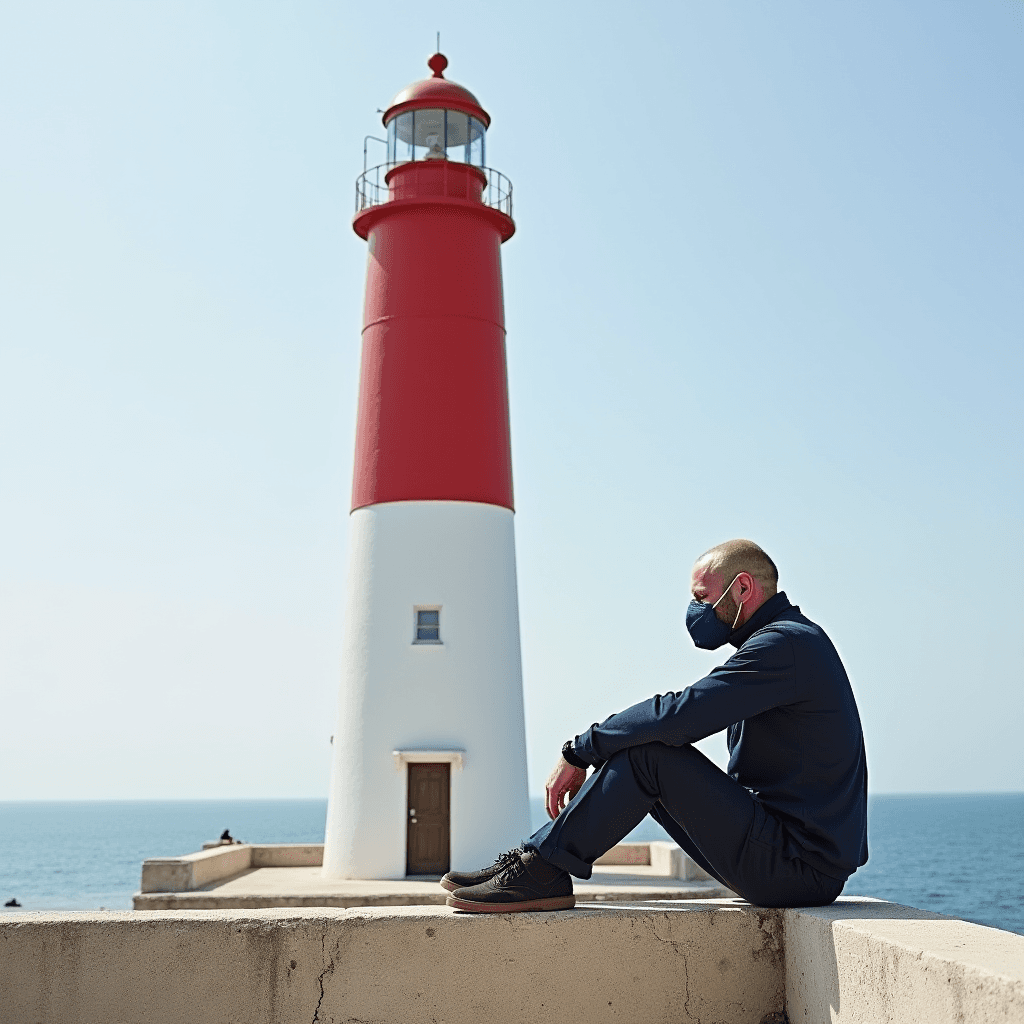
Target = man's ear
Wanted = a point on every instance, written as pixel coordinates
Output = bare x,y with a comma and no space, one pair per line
745,582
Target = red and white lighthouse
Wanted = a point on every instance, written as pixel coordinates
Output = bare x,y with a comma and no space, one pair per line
430,748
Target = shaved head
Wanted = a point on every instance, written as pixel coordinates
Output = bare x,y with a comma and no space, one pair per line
728,560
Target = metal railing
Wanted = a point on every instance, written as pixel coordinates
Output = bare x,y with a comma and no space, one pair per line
372,189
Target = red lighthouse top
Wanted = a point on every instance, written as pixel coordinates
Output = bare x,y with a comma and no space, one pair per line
437,138
433,421
437,91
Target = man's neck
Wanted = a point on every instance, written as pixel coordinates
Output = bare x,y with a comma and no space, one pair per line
761,615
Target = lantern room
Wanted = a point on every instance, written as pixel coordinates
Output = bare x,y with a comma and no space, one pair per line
436,120
436,139
436,134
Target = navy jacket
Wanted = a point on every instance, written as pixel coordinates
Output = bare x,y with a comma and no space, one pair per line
795,739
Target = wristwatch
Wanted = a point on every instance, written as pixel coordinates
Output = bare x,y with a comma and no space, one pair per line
569,754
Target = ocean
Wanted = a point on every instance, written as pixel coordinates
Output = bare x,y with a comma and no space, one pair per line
961,855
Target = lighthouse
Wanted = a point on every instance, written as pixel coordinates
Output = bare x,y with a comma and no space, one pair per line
429,754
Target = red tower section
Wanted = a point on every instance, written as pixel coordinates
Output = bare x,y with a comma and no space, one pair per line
433,394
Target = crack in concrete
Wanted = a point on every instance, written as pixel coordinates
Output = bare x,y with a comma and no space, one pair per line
323,974
686,989
680,948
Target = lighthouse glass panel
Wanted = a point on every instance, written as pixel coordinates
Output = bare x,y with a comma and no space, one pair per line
428,626
400,135
457,136
434,135
476,155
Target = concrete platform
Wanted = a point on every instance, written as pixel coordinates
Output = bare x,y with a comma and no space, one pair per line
239,876
260,888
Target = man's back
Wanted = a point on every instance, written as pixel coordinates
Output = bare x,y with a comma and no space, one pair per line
804,759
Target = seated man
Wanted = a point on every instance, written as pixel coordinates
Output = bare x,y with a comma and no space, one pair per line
784,828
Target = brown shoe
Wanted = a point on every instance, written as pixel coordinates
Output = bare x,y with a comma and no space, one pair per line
527,882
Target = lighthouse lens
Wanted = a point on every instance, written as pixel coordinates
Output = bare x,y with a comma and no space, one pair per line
428,134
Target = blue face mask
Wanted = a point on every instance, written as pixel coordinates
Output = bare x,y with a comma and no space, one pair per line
706,629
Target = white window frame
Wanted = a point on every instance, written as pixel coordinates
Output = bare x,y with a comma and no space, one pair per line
416,625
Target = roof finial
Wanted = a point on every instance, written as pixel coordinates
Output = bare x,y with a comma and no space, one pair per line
437,64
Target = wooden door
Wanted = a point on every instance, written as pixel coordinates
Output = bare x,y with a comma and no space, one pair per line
429,819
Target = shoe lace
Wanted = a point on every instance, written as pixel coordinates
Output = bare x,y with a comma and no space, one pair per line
509,864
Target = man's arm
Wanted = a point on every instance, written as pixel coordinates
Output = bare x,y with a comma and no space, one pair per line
755,679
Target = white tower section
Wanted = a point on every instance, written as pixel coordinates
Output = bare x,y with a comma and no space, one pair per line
460,698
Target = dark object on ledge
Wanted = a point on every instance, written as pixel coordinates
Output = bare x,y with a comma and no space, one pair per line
12,903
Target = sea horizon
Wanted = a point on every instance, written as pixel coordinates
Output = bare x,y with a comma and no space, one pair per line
533,796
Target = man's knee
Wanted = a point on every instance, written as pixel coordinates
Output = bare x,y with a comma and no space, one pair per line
648,761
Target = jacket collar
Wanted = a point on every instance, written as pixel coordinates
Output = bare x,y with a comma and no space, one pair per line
768,612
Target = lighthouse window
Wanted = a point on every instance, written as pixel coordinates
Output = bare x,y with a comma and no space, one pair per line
476,143
435,134
400,133
428,626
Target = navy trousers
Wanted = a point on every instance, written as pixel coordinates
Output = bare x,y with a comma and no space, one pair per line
710,815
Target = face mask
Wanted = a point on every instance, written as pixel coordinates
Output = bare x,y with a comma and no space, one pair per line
706,629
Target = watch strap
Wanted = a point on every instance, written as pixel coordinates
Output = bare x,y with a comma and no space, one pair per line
569,754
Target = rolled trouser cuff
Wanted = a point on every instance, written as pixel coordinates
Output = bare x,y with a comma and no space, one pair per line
548,849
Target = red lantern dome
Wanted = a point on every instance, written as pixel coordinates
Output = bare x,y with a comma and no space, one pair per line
437,92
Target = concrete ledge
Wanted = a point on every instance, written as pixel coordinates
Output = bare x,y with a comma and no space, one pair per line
627,853
664,858
214,900
679,963
287,855
194,870
865,960
668,859
215,863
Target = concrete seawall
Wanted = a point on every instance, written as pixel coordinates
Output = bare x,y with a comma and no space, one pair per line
675,961
409,965
860,961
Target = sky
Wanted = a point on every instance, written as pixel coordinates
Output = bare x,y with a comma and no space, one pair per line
766,282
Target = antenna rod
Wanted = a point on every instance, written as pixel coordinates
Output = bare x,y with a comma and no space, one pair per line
438,42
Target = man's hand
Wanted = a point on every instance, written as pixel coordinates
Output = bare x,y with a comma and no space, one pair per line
563,784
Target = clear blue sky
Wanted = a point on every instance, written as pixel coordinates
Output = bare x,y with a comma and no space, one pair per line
767,282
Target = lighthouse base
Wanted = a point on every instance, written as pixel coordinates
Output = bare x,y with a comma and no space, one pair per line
430,748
